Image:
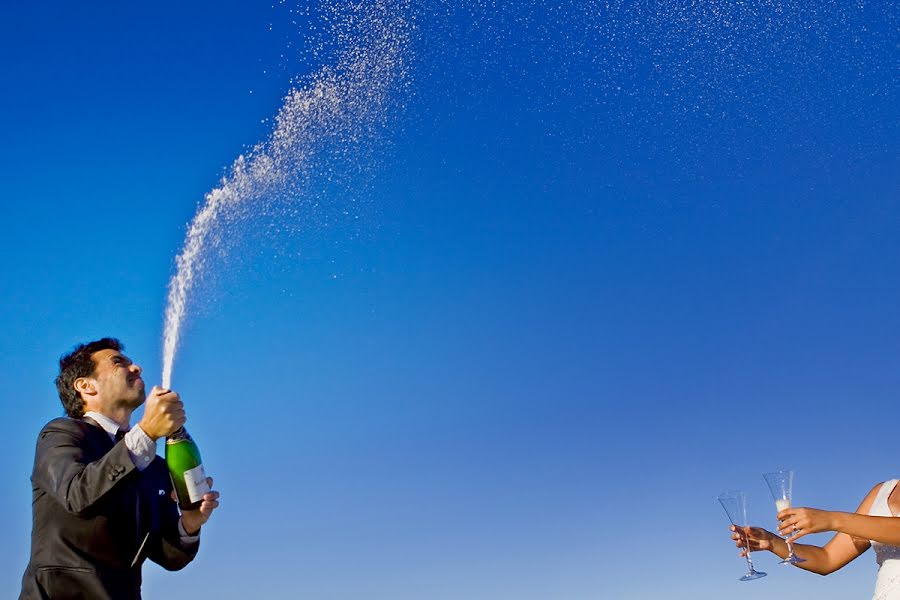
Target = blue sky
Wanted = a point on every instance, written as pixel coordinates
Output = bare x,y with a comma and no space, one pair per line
614,259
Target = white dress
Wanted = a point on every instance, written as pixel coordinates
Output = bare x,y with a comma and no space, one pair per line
887,586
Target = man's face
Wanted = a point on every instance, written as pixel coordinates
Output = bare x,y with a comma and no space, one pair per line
118,380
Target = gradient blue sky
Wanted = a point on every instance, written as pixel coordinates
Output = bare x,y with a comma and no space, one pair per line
617,258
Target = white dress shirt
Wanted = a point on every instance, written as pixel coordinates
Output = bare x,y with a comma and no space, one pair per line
141,448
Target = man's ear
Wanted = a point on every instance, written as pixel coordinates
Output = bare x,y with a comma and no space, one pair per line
85,386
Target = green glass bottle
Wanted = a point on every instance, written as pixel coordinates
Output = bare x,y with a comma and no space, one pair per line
186,469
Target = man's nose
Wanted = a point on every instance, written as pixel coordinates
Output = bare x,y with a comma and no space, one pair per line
136,368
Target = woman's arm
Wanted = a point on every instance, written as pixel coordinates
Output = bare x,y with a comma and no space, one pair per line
802,521
839,551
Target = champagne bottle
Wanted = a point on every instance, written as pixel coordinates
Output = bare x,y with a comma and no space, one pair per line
186,469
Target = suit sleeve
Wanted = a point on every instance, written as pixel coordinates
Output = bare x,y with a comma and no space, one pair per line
169,551
62,470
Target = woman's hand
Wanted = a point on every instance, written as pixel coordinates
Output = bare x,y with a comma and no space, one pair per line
754,538
797,522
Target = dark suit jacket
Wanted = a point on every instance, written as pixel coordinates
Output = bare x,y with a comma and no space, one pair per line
91,510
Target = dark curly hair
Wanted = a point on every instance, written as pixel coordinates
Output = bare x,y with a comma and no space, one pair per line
78,363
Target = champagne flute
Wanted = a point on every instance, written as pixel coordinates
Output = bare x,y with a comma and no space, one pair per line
781,485
735,504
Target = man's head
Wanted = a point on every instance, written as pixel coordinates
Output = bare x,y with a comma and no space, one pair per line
97,376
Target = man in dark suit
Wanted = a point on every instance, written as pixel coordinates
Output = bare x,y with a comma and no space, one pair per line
102,499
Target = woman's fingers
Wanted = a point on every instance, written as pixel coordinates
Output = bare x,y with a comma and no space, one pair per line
796,536
793,524
787,527
809,520
749,537
787,512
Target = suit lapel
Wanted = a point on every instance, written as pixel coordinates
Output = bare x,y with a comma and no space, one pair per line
97,430
140,538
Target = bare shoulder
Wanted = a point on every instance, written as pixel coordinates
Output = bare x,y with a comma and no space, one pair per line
867,502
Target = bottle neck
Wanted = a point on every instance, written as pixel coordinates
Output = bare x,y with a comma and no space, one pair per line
178,435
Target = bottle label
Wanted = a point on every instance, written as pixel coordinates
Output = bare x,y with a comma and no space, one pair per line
195,481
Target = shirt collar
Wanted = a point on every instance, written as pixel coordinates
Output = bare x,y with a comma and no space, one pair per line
108,425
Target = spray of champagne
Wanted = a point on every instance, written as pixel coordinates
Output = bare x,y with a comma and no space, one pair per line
340,104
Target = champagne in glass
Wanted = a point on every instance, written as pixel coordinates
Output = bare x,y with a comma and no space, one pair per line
781,485
735,505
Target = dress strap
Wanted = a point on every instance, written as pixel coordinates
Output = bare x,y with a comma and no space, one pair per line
880,504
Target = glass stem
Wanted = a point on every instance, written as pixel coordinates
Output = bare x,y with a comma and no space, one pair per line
749,561
790,546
